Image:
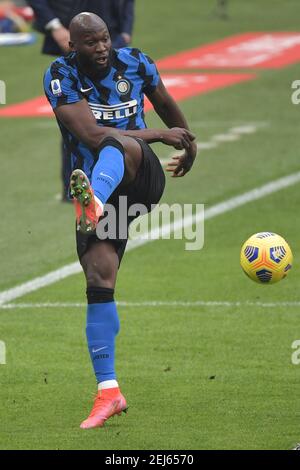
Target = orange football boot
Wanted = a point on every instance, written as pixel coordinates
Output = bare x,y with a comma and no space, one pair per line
108,403
88,211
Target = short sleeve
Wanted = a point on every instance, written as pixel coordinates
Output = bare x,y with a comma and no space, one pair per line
61,85
149,72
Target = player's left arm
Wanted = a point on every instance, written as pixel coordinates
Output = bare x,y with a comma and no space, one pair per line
172,116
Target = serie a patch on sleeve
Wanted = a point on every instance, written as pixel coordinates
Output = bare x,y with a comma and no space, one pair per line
56,87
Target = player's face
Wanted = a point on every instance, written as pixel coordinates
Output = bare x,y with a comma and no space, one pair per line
93,49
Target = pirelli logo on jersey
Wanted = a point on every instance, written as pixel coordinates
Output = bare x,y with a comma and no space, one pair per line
114,112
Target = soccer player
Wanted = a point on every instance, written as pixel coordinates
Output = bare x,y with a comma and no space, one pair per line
52,18
97,94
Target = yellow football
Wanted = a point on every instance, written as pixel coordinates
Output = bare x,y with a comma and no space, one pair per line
266,257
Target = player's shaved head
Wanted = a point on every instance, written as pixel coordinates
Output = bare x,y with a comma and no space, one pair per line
85,23
90,40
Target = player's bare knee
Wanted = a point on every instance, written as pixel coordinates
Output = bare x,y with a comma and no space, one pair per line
100,265
99,273
100,279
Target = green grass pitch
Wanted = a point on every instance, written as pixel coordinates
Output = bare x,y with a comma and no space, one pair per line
212,376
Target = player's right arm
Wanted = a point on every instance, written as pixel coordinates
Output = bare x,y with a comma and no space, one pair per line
72,110
80,121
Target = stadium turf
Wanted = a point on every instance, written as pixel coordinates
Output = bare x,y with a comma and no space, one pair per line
216,375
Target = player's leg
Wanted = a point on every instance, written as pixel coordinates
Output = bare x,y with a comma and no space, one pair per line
119,159
100,264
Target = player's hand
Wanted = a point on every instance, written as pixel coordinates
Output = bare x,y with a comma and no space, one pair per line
178,138
126,37
181,165
62,37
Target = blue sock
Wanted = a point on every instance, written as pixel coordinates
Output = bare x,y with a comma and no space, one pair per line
101,330
109,170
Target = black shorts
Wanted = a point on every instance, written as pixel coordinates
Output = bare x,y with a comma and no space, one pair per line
146,189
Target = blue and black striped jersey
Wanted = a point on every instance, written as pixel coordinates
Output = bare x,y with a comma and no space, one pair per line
117,100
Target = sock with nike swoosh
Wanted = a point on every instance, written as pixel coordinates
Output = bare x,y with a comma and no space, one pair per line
101,330
109,169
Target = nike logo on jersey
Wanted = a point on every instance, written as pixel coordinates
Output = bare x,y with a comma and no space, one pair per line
114,112
85,90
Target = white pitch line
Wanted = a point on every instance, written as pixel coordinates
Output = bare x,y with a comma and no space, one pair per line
155,304
231,135
205,146
39,282
211,212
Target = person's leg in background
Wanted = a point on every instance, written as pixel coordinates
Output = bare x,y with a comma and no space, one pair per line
66,170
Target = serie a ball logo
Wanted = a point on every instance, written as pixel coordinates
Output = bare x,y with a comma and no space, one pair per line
266,257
